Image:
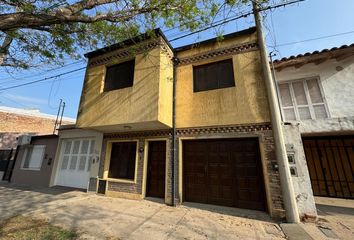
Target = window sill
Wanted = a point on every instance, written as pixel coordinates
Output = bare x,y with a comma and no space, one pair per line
120,180
116,89
30,169
214,89
305,120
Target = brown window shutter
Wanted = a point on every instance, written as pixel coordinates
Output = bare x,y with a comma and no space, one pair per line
213,76
119,76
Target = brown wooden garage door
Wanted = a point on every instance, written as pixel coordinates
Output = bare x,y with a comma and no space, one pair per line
224,172
330,162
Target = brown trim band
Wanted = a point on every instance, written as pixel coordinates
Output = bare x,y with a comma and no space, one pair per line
127,135
191,131
225,129
231,50
131,51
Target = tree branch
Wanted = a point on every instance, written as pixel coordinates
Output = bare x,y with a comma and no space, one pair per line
5,48
84,5
29,20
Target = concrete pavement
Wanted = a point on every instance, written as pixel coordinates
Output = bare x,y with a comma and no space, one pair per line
100,217
336,219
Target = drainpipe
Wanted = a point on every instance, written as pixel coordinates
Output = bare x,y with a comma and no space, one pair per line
292,214
174,131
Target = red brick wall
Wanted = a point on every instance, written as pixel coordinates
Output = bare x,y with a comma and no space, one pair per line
10,122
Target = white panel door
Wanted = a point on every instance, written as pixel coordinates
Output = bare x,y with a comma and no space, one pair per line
75,163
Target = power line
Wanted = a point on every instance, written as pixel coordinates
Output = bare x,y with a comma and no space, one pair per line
313,39
41,73
174,39
195,19
237,17
280,5
211,26
41,80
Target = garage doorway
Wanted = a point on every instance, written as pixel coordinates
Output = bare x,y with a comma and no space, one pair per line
156,170
225,172
75,163
330,162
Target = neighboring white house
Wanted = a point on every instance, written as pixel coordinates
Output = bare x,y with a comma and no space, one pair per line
316,94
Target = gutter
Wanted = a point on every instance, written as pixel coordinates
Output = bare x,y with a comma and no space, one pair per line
174,131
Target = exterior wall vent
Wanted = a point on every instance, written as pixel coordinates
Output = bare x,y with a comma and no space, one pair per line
24,140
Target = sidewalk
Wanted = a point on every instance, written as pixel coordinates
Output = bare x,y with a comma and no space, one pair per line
336,219
99,217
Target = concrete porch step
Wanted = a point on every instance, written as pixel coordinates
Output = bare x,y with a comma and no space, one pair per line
294,231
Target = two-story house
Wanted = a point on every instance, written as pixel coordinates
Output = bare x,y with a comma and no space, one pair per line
316,91
182,124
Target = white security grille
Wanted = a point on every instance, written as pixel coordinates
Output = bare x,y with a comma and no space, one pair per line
302,100
75,162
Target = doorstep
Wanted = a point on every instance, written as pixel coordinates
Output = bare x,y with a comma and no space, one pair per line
294,231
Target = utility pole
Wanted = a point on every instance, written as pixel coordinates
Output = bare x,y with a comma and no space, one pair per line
56,120
62,112
292,214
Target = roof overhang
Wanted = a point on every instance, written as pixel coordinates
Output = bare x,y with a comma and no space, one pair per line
129,42
316,57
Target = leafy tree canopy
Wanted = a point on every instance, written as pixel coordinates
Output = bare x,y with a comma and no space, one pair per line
37,32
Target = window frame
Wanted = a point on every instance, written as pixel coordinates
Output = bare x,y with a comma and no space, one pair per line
108,162
112,65
211,63
296,106
24,157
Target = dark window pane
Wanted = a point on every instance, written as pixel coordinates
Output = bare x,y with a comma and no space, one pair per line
4,157
213,76
119,76
122,164
226,74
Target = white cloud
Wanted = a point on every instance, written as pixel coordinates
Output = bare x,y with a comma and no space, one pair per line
26,100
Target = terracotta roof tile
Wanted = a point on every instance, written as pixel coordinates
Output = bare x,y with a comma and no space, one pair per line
284,59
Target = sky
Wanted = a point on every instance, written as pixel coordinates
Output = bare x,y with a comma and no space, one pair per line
291,30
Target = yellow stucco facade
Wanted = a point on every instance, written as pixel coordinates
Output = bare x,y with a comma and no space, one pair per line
144,106
245,103
239,111
147,105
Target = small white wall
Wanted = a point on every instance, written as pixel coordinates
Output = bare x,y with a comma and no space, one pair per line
338,86
327,126
302,183
79,133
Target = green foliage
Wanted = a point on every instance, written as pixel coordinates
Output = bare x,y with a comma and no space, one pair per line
53,41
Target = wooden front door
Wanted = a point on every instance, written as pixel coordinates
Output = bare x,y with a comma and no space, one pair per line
330,162
224,172
156,169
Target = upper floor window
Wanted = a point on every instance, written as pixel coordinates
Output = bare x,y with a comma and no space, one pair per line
302,100
213,76
119,76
